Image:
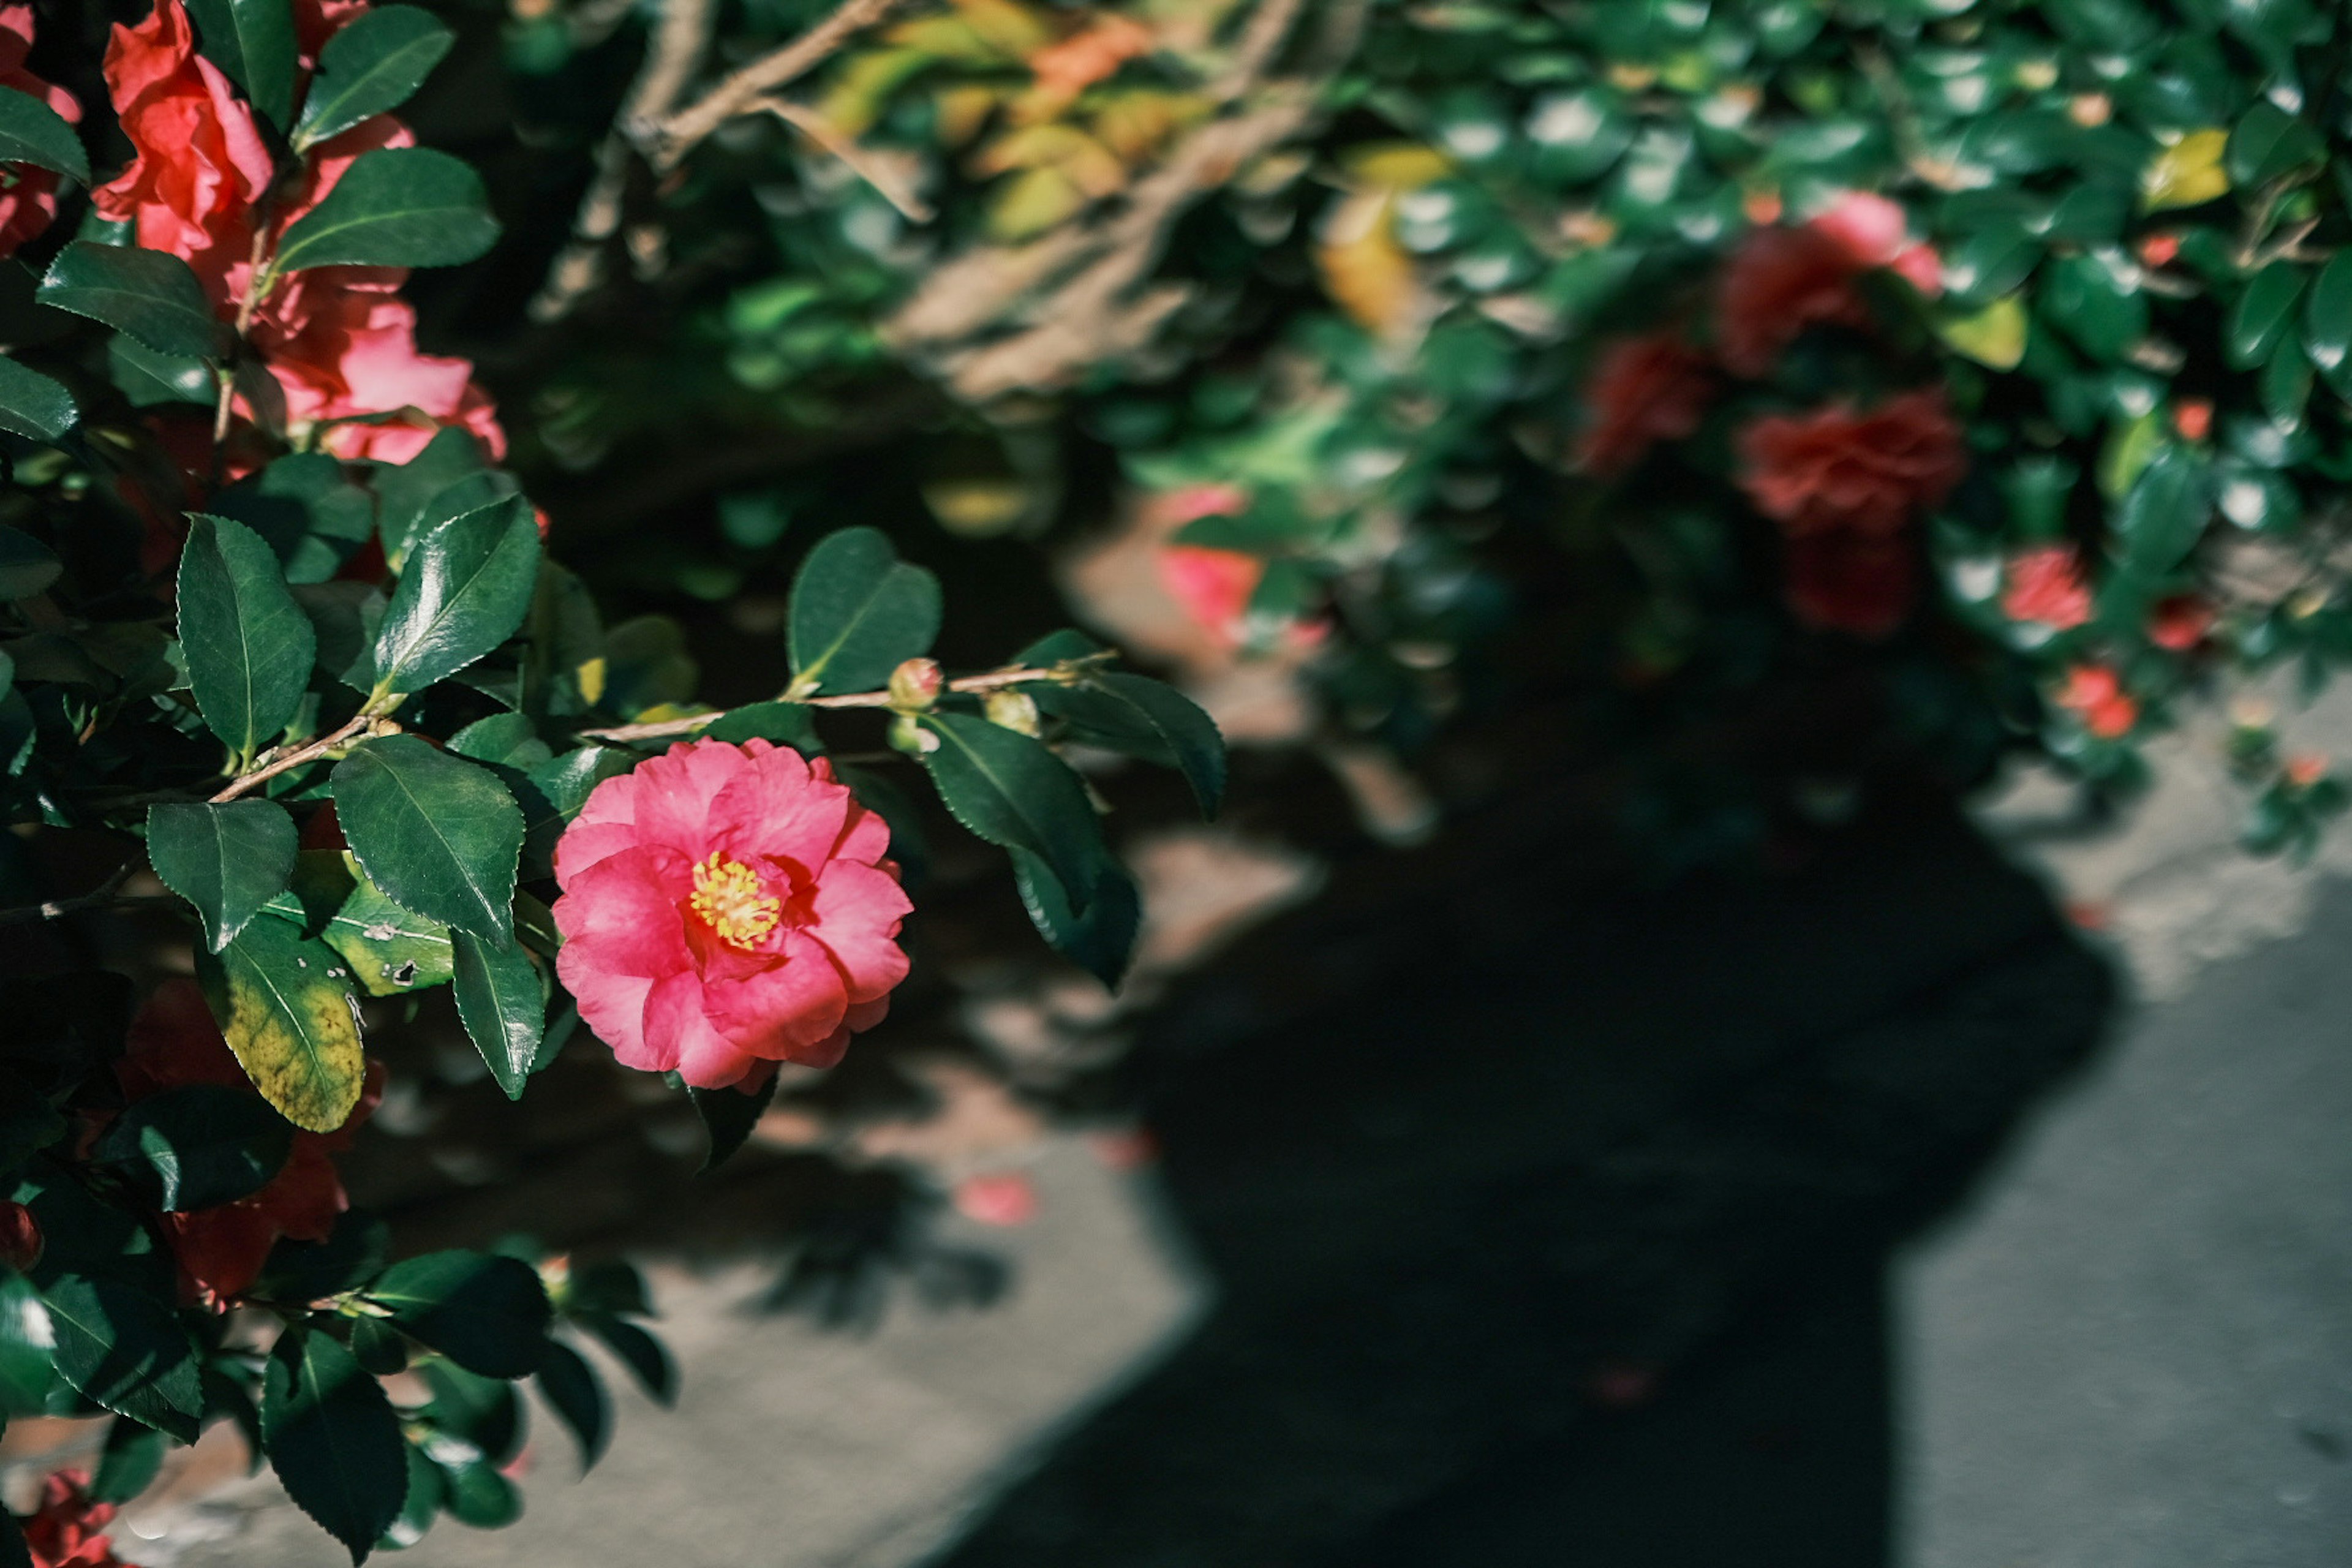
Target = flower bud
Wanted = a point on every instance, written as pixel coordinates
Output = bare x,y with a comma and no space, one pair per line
907,736
915,685
1013,710
20,1237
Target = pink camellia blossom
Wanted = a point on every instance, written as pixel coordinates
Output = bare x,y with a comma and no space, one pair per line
1873,231
1001,1198
2095,694
726,907
1214,585
2046,584
30,200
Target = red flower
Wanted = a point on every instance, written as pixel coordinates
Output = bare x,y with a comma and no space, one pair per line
2096,694
2193,417
2180,622
2046,586
200,162
1644,390
1837,467
20,1237
726,906
1851,582
1214,585
1778,283
30,201
221,1251
63,1532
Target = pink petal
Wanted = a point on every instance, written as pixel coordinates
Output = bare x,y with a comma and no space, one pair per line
675,1024
1869,228
624,911
583,846
776,808
857,913
675,793
864,837
784,1005
613,1008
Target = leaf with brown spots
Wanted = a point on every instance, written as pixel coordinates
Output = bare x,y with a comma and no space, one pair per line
284,1005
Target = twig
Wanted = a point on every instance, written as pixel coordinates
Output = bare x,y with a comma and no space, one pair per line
856,159
309,754
668,137
106,895
677,48
996,679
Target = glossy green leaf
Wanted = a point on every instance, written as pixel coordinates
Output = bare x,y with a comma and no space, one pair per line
857,612
128,1462
373,63
123,1348
227,861
1014,792
464,589
1101,941
646,1358
2260,314
482,1413
401,206
729,1115
196,1146
249,648
407,493
27,566
2327,319
783,723
508,739
2268,143
32,133
151,380
25,1344
2286,382
253,41
420,1506
476,1494
305,505
2161,520
487,1313
2087,299
334,1439
503,1005
437,833
576,1394
284,1005
379,1347
1143,717
148,294
31,405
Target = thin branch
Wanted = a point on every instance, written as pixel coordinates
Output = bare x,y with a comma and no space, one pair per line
667,139
994,681
108,894
866,165
309,754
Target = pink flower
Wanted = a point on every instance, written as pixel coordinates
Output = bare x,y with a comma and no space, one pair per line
2095,694
200,163
1644,390
2046,584
1002,1198
726,907
1873,231
1843,467
63,1532
1214,585
2180,622
30,201
1778,283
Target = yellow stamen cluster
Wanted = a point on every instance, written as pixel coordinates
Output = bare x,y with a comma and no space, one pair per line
727,894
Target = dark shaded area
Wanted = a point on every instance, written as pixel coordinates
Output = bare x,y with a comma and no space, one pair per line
1547,1218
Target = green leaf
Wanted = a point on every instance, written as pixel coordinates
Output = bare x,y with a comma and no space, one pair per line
379,1347
2268,143
123,1348
1102,941
1013,791
479,1496
2086,299
32,133
857,612
784,723
571,1387
346,617
405,494
1147,719
227,861
2259,316
334,1439
503,1005
2327,319
422,1502
508,739
198,1146
148,294
253,41
2161,520
129,1461
371,64
151,380
727,1116
482,1413
643,1354
437,833
487,1313
400,206
27,566
249,647
464,589
31,405
25,1341
313,517
287,1011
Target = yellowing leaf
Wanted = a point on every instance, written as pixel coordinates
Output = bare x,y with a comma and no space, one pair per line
959,112
979,508
1993,336
284,1004
1365,271
1033,204
2188,174
1395,165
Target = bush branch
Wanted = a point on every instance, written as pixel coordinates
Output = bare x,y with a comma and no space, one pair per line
370,723
666,139
994,681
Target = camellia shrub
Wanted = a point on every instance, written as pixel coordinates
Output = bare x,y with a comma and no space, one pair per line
282,632
1780,396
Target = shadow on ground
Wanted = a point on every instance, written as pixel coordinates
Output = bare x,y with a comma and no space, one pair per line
1549,1223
